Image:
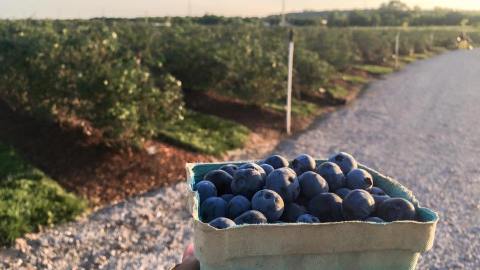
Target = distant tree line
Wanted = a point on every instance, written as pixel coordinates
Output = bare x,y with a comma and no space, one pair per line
393,13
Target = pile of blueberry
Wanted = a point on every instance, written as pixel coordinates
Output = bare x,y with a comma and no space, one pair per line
277,191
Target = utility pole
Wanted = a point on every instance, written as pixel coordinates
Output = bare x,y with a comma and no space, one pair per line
397,47
289,84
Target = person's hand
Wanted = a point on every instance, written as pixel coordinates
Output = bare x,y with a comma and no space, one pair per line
189,262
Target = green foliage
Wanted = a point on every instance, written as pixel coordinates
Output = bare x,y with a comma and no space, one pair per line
84,72
125,77
373,48
354,79
29,199
311,72
206,133
375,70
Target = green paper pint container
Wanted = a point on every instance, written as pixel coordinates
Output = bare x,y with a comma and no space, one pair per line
335,245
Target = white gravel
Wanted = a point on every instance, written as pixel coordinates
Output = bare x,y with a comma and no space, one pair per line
421,125
146,232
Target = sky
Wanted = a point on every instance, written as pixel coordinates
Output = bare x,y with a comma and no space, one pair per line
139,8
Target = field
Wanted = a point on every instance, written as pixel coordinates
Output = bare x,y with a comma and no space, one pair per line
130,85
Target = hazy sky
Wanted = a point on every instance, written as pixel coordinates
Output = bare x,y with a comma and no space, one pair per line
133,8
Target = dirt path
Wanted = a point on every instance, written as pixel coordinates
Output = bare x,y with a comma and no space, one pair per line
421,125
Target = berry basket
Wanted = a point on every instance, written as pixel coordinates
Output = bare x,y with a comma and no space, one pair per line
334,245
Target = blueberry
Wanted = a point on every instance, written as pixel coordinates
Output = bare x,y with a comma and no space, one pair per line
376,191
292,211
342,192
396,209
229,168
301,200
379,199
222,223
213,208
303,163
246,182
285,183
375,219
332,173
311,184
269,203
256,167
251,217
267,168
358,205
359,179
237,206
307,218
227,197
327,207
205,189
221,179
276,161
345,161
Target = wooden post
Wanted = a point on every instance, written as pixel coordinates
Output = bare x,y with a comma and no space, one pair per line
397,46
289,86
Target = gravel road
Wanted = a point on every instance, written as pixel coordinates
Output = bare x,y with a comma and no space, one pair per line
420,125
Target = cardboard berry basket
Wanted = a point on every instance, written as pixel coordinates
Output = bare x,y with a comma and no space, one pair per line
335,245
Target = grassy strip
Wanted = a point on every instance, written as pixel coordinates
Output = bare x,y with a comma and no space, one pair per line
299,107
338,92
29,199
205,133
374,69
354,79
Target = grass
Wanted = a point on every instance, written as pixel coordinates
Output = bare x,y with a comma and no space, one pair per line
354,79
374,69
299,107
205,133
30,199
338,92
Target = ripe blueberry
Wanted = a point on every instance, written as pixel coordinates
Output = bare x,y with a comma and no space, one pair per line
327,207
269,203
396,209
359,179
237,206
229,168
221,179
358,205
222,223
251,217
246,182
345,161
205,189
332,173
311,184
285,183
267,168
213,208
256,167
276,161
376,191
303,163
